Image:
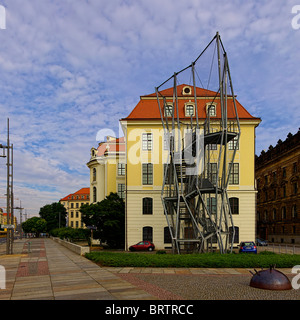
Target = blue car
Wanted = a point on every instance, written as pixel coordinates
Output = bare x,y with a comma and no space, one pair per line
247,246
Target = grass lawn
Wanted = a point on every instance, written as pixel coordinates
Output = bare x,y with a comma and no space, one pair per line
203,260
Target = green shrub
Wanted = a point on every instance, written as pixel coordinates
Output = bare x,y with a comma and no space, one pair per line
267,253
161,252
203,260
70,233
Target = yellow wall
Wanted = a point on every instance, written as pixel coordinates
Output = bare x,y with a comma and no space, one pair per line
111,171
245,190
107,178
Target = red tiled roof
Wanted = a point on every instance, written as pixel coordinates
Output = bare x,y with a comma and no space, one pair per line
199,91
82,191
147,108
66,198
113,145
5,214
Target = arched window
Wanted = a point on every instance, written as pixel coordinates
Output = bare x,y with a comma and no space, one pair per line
94,194
94,174
148,234
234,205
236,234
147,206
212,205
167,235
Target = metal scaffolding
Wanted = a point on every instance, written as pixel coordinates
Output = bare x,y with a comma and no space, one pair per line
199,165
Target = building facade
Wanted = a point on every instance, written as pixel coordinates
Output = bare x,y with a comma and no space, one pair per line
72,203
3,219
278,198
107,169
146,155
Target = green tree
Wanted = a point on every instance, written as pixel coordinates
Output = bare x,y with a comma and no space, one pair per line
34,225
108,216
71,234
55,215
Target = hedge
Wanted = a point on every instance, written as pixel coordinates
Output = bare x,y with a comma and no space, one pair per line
203,260
70,233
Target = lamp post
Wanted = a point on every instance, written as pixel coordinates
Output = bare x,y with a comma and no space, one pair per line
9,191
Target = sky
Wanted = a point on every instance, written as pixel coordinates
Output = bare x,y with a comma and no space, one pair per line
70,69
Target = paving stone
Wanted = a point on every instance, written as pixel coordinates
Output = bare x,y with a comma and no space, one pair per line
52,272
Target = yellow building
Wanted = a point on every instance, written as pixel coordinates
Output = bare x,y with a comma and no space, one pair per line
3,219
72,203
107,169
146,154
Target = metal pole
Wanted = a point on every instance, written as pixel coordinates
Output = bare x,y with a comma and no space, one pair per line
8,234
12,198
21,221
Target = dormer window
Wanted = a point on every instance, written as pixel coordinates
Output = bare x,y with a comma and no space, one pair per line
189,110
169,110
211,109
186,91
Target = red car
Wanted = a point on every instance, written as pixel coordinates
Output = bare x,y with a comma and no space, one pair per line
142,245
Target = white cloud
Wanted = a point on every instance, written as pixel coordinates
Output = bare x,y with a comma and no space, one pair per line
70,68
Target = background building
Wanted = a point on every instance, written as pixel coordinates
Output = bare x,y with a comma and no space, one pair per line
72,203
3,219
107,169
278,201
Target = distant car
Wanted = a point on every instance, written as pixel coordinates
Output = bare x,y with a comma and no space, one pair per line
247,246
142,245
261,242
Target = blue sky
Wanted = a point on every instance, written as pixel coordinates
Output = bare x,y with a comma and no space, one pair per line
69,68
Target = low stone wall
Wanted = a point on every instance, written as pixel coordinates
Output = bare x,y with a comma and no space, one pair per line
72,246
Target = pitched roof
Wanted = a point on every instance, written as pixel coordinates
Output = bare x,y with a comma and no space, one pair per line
66,198
147,108
82,191
200,92
111,145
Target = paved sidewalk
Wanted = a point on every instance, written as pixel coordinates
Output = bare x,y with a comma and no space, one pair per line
41,269
52,272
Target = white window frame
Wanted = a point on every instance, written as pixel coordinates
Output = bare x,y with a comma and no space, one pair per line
121,190
147,144
168,109
211,107
152,178
234,177
233,143
187,109
121,169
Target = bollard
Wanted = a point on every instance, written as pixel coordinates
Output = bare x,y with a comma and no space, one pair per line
29,243
270,279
